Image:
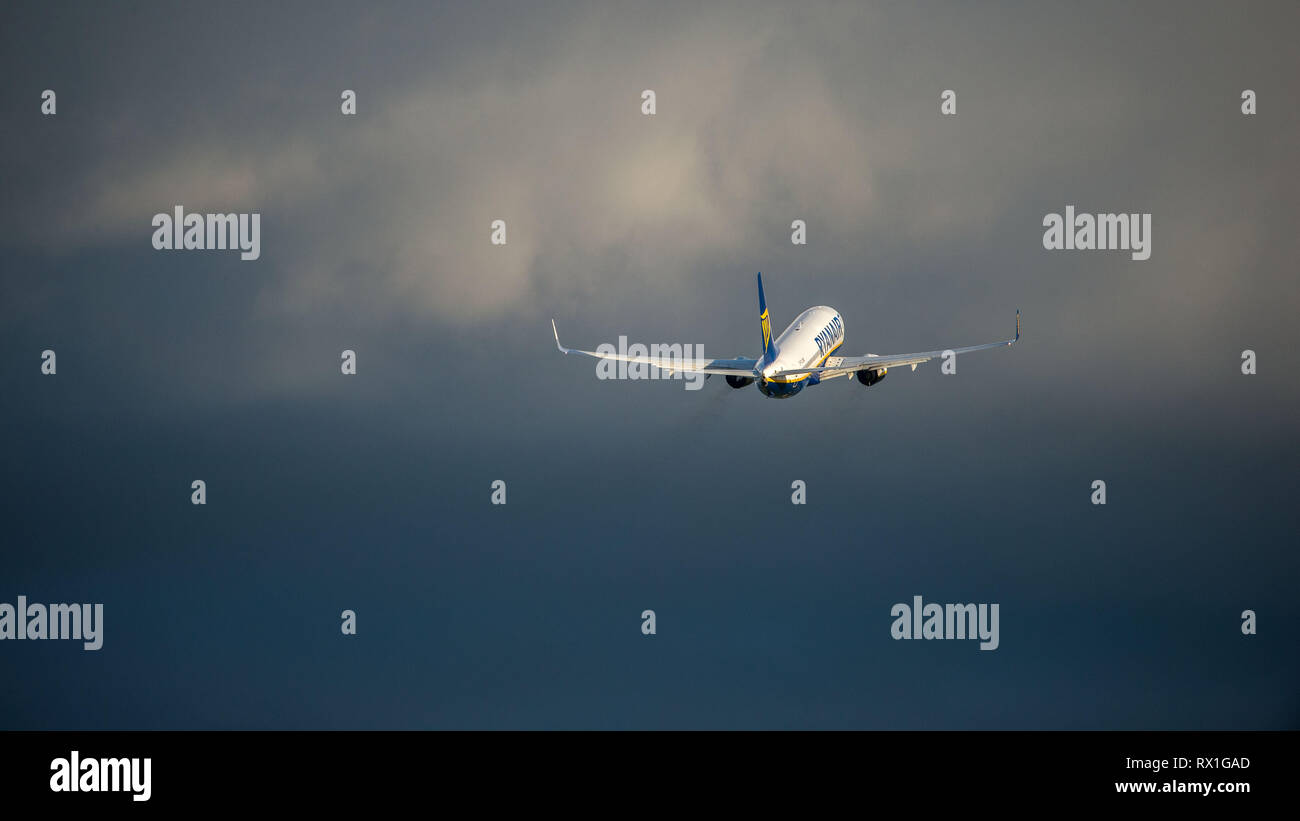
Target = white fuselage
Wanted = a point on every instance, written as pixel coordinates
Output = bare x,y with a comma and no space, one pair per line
813,336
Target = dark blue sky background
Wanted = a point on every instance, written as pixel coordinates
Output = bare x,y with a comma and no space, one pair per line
371,492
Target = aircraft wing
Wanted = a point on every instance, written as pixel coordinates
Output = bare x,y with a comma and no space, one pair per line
741,366
841,365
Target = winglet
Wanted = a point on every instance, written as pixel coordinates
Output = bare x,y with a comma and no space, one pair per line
557,338
1017,339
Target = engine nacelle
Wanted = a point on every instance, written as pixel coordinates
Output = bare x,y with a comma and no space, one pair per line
739,381
870,378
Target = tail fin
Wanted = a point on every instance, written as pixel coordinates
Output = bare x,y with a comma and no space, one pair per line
769,348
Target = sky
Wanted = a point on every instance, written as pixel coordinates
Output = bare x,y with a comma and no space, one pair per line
371,492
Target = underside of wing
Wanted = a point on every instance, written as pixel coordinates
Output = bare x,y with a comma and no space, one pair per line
841,365
671,362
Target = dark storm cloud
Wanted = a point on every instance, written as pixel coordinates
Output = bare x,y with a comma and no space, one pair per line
828,116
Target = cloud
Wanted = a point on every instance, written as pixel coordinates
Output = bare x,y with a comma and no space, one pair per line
763,117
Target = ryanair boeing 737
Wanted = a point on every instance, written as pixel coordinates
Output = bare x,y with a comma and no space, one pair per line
800,356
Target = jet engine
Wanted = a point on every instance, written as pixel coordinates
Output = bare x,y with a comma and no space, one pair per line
870,378
738,381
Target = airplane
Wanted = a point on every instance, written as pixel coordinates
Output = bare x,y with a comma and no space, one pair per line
800,356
